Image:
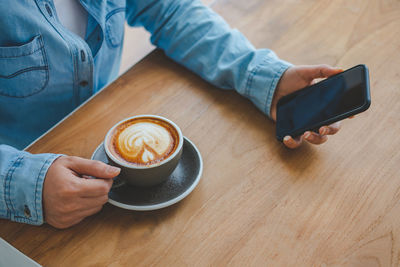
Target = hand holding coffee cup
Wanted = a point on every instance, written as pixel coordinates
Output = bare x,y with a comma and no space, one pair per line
147,148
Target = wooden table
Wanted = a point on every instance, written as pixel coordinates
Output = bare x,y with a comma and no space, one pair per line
257,203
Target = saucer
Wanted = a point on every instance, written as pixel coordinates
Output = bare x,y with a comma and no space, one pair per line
180,183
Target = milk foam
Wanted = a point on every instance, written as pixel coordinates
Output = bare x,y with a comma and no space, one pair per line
144,142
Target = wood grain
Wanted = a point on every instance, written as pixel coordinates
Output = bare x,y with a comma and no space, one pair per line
258,203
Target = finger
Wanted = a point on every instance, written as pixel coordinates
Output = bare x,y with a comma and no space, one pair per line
292,143
93,187
320,71
315,138
92,167
331,129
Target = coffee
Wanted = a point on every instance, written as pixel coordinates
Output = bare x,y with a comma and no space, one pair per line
143,141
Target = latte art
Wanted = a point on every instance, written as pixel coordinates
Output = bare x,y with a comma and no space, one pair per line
144,141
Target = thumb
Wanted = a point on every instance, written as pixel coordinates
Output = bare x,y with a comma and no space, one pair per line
92,167
320,71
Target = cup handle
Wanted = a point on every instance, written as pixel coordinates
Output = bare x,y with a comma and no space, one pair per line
117,182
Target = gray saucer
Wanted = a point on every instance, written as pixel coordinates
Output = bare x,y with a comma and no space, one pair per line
181,183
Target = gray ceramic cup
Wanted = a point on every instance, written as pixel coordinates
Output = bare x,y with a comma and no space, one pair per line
149,175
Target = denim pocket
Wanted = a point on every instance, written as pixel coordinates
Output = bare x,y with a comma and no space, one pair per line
24,70
115,27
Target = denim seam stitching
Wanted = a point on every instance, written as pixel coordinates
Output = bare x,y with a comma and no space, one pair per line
37,183
46,63
10,173
75,59
24,219
13,75
109,15
44,58
24,55
274,83
250,79
91,64
8,213
114,11
7,184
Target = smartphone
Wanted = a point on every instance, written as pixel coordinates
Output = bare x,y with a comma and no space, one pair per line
333,99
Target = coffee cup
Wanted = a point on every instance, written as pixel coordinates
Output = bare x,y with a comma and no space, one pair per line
147,148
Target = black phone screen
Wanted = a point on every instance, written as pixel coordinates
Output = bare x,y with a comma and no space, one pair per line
325,102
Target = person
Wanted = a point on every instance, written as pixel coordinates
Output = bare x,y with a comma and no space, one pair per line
55,54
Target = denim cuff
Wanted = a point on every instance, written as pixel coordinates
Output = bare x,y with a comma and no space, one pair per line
23,187
263,79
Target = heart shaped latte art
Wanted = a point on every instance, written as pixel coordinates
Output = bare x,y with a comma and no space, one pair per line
144,143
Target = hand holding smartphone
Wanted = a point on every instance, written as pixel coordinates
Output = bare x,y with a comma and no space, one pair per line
333,99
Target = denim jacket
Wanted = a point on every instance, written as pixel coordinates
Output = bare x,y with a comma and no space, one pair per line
46,71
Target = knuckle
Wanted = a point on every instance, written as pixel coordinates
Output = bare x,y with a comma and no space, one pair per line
322,140
61,159
104,189
324,66
61,211
332,131
69,190
98,166
71,208
104,199
74,158
66,209
64,222
71,159
109,183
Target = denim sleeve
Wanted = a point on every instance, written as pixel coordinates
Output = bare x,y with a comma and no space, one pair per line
21,184
198,38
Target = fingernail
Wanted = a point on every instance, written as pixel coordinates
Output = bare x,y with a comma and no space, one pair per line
324,131
307,135
112,169
287,138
